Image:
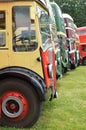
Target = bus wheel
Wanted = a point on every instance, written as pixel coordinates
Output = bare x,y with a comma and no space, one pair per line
19,104
73,66
84,61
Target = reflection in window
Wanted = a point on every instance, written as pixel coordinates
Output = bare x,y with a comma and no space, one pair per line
24,35
2,27
2,39
44,28
2,20
70,23
54,36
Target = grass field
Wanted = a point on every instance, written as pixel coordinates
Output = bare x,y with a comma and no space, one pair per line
68,111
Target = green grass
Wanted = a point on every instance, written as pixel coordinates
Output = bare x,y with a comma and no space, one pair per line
68,111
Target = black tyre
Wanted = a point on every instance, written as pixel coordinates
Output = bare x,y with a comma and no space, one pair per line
73,66
19,103
84,61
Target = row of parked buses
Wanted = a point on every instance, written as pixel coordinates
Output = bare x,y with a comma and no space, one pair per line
36,47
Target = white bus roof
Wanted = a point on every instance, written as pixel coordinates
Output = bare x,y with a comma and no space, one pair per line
65,15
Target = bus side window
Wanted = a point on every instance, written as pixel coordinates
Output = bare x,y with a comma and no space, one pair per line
2,28
84,47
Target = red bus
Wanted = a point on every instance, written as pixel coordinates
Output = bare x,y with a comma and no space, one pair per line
81,31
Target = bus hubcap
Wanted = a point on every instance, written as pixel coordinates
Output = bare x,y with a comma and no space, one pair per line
14,105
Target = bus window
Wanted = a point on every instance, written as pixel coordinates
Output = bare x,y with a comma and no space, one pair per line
24,34
84,48
2,20
44,28
54,36
2,28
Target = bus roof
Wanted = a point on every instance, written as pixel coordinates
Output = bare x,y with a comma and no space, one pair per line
58,18
65,15
40,1
57,8
81,28
81,31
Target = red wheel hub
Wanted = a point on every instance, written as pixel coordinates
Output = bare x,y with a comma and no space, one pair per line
14,105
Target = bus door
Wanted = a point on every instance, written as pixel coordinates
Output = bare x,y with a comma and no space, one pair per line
24,39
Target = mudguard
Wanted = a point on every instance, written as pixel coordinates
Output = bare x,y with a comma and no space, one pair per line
24,74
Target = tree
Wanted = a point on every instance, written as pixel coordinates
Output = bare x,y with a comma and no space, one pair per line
75,8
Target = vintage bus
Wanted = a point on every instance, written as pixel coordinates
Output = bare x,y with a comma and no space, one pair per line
27,67
62,58
81,31
54,38
71,38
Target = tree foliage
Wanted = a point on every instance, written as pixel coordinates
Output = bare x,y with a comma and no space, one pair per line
75,8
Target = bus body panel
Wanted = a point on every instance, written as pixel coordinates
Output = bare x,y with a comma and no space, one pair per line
81,31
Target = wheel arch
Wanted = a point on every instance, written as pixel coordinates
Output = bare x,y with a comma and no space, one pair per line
27,75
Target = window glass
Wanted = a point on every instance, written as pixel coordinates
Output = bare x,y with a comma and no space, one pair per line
2,20
2,27
84,47
54,36
44,28
70,23
2,39
24,34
